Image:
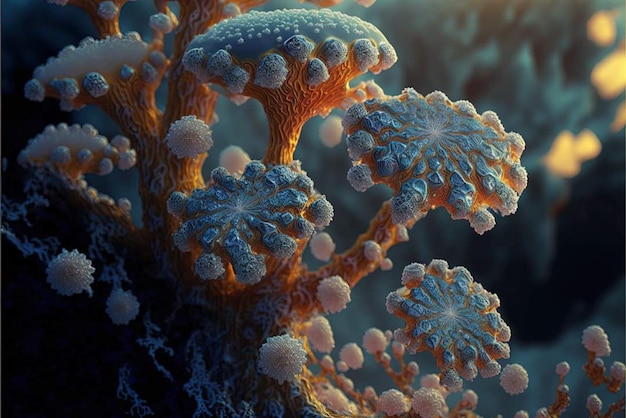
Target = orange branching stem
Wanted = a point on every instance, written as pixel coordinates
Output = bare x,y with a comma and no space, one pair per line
352,265
291,105
103,26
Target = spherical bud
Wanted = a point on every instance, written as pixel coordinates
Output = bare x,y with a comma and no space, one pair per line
618,371
281,358
70,273
161,22
331,131
333,293
352,355
514,379
596,340
122,306
327,363
429,403
322,246
189,137
562,369
594,403
320,335
374,341
393,402
108,10
234,159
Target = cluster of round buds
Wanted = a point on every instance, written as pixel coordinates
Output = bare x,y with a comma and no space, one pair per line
318,39
242,221
78,75
453,317
75,150
433,152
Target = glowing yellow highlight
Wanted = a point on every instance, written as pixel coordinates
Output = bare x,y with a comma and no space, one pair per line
620,118
601,27
609,75
568,152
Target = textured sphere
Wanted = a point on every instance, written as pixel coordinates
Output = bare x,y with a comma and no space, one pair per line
188,137
429,403
320,335
393,402
596,340
333,293
122,306
281,358
70,273
514,379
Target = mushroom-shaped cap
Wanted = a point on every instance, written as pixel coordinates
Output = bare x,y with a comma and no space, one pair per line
433,152
295,62
80,74
75,150
296,33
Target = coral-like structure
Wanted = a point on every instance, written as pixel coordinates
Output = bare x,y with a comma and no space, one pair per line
452,316
433,152
209,305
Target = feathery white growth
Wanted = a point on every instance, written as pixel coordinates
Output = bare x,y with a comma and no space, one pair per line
331,131
234,159
122,306
281,358
188,137
333,293
70,273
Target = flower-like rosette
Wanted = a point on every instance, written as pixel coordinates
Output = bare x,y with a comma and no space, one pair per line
242,221
433,152
453,317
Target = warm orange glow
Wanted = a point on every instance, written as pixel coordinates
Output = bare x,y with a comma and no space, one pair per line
568,152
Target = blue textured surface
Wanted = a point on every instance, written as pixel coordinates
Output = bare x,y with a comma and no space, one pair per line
247,219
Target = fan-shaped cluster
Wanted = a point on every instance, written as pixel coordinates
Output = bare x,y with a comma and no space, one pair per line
453,317
79,74
433,152
243,220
